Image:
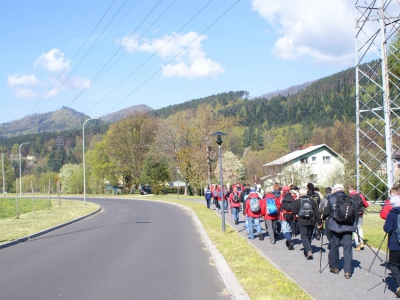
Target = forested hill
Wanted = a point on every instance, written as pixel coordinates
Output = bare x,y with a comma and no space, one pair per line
62,119
324,101
217,101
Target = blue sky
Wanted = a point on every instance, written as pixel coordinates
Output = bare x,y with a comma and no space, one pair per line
53,51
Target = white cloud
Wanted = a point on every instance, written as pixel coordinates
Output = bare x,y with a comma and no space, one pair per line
191,62
25,93
53,61
24,80
321,30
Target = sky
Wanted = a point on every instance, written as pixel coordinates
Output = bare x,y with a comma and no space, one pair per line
101,56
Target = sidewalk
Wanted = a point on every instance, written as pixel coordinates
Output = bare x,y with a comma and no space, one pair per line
325,285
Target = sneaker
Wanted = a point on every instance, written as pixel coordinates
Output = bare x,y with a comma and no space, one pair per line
291,245
260,237
334,270
236,222
357,248
398,292
309,255
347,275
362,246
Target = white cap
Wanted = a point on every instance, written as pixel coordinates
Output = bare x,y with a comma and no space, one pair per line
337,186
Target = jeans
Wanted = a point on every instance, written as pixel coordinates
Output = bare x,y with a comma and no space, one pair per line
208,203
235,213
345,238
394,264
360,232
305,234
253,222
286,229
225,204
271,227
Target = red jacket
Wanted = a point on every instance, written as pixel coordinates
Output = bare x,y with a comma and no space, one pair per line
385,209
233,204
363,200
278,205
248,211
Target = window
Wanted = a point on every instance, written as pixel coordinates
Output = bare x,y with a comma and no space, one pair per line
303,160
314,160
326,159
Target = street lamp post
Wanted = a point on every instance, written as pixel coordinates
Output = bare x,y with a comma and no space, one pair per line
20,170
219,135
179,178
83,160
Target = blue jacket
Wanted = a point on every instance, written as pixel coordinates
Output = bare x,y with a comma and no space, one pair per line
332,225
208,194
391,226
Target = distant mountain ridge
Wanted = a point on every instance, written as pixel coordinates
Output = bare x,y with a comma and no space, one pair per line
123,113
288,91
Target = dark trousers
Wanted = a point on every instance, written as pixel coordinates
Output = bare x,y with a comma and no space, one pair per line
345,238
394,264
208,203
305,234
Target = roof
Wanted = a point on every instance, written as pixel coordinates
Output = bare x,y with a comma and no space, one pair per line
297,154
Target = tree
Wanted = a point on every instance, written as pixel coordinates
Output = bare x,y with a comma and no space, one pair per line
66,176
128,142
155,170
232,169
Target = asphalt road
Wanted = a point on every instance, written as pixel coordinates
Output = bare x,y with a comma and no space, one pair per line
129,250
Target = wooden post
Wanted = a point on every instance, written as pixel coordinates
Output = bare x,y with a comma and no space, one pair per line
48,201
16,199
33,199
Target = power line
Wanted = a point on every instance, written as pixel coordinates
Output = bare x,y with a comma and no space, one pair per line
174,56
126,78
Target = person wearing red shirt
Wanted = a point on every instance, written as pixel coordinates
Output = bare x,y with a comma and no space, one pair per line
235,206
253,216
387,207
359,231
271,217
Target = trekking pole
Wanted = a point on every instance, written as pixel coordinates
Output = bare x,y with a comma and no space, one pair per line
378,252
368,246
320,256
384,276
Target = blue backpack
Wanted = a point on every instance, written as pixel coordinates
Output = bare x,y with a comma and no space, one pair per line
254,205
272,209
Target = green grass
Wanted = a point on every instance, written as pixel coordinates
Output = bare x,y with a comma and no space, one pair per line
259,278
29,223
373,230
8,206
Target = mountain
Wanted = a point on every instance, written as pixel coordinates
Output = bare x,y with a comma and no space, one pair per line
286,92
123,113
62,119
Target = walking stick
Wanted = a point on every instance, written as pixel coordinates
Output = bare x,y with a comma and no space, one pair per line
320,256
378,252
384,276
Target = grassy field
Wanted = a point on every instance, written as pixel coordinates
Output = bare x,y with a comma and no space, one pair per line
262,281
28,223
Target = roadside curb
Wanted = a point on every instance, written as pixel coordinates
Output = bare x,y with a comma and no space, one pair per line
27,238
231,282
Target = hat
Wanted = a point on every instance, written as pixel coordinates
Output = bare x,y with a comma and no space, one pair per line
269,189
337,186
285,188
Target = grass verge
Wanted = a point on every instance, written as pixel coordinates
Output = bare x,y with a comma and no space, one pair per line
29,223
373,230
259,278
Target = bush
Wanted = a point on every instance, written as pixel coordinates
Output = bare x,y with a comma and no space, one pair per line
158,190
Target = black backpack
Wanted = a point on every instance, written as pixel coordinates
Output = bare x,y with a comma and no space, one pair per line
358,203
306,210
235,198
287,202
344,210
276,193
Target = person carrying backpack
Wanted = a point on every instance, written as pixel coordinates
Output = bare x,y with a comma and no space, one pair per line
316,198
286,216
322,205
255,208
306,210
360,203
341,224
208,196
391,226
243,196
271,216
214,192
234,201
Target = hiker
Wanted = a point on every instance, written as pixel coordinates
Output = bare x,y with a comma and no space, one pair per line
286,216
214,190
208,196
341,229
276,190
322,205
271,215
391,226
306,210
360,202
243,197
387,207
315,196
234,202
255,208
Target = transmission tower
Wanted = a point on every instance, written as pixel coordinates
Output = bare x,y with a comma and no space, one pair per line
59,142
377,97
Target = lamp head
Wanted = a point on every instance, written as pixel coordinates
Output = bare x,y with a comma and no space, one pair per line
219,135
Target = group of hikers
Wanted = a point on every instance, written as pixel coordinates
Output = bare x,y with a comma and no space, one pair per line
290,211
